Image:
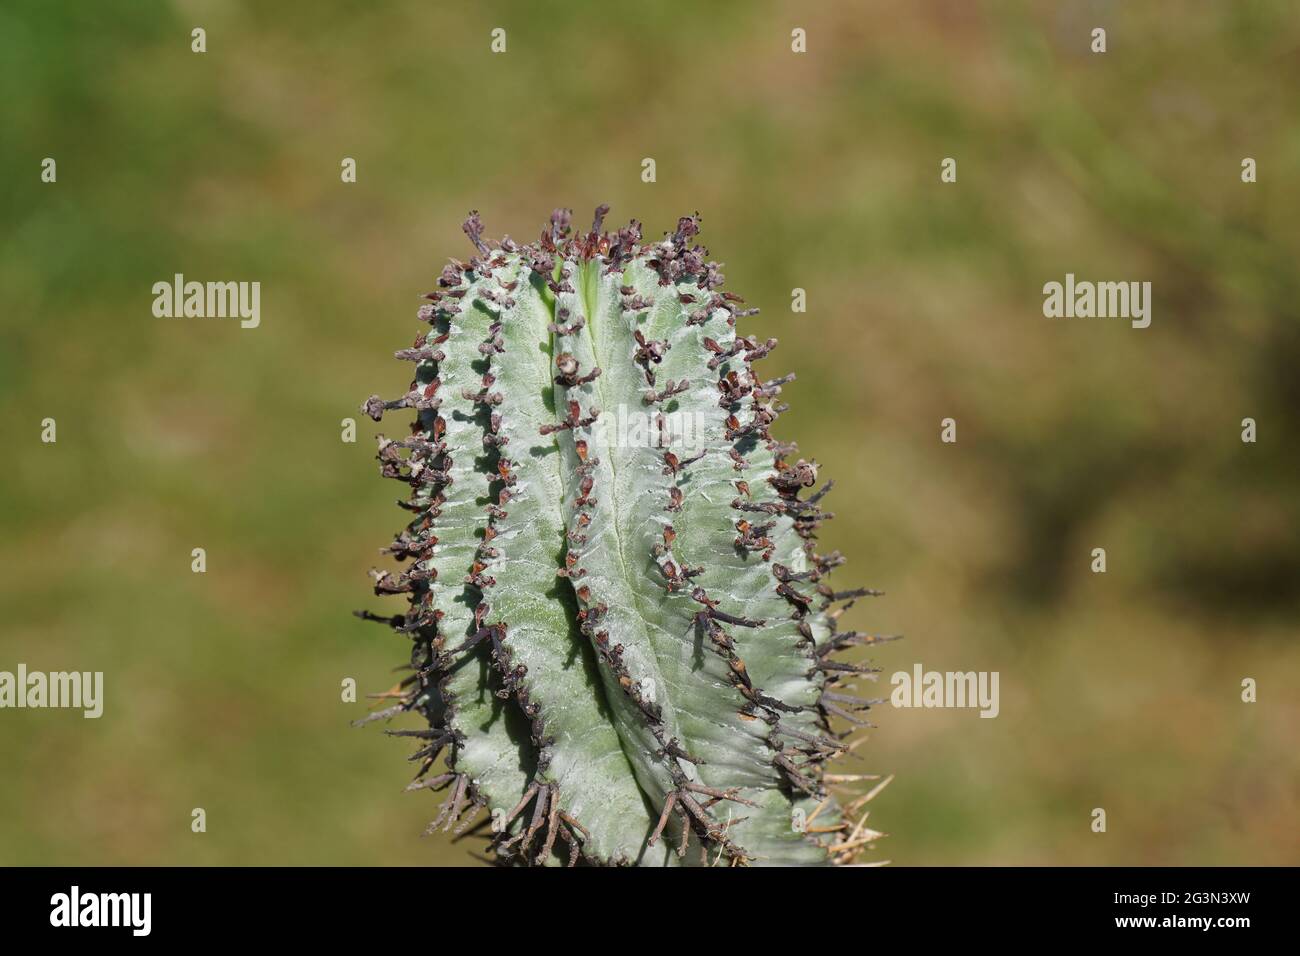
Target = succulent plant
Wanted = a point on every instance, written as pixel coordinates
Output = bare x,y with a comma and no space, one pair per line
621,633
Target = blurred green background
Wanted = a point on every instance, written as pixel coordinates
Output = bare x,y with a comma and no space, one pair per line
818,171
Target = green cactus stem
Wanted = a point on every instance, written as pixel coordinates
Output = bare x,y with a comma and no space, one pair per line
621,633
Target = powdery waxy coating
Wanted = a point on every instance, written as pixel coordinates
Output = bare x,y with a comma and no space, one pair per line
623,652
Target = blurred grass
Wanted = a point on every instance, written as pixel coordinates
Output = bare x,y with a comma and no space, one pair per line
818,171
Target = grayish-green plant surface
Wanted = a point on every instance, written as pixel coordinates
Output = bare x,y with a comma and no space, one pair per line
622,635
